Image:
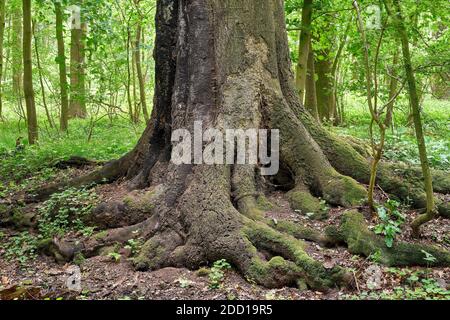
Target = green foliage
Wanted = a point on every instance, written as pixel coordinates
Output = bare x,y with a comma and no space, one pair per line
134,245
391,220
184,283
401,142
21,248
115,256
18,166
414,285
217,273
428,257
65,211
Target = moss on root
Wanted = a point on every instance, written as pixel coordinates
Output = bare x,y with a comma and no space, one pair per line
301,232
143,201
360,240
263,203
275,273
444,209
151,256
441,181
306,203
345,191
291,258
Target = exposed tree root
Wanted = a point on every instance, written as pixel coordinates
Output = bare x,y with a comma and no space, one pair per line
136,207
75,162
107,173
301,199
354,232
299,263
398,179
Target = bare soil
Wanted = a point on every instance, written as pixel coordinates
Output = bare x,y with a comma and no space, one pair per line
104,278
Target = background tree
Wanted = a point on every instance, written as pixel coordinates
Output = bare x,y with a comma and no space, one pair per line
16,53
304,48
431,210
2,33
138,61
61,59
28,73
77,106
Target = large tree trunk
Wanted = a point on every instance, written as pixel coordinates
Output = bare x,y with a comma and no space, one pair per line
28,73
230,69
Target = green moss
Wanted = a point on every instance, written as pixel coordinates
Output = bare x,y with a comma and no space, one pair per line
264,204
105,251
361,240
344,191
151,256
101,235
143,202
292,249
275,273
21,219
203,272
307,204
79,259
300,232
441,181
3,209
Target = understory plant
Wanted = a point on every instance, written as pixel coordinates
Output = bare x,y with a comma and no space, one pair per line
65,211
217,273
391,220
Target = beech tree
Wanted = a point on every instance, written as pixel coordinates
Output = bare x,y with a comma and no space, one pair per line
226,64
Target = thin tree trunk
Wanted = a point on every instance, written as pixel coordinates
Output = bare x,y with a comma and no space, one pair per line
128,85
431,211
393,87
16,53
311,94
334,73
303,48
41,81
377,149
77,104
28,73
326,103
2,33
141,80
63,85
136,112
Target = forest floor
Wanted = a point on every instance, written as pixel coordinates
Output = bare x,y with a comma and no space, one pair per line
111,276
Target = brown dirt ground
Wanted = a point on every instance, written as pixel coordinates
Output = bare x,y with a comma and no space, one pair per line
103,278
